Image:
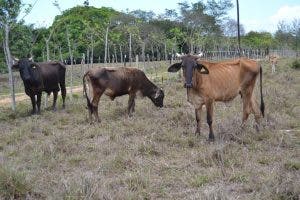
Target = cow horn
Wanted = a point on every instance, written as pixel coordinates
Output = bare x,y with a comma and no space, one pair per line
178,55
30,59
200,55
15,60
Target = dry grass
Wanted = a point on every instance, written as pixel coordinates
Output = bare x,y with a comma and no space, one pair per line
154,154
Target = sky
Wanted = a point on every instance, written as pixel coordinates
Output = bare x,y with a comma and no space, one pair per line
255,15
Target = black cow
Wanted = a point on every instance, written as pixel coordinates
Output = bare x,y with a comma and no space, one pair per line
39,77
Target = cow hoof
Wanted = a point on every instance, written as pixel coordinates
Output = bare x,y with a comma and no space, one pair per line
211,138
34,112
54,109
197,133
257,128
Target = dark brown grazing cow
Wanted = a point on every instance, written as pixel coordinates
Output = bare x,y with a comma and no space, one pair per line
39,77
115,82
207,82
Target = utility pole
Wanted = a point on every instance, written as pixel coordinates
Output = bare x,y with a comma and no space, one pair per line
238,27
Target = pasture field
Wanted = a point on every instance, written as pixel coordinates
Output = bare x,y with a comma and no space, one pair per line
155,154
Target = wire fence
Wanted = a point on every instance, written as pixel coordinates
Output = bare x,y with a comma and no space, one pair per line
156,70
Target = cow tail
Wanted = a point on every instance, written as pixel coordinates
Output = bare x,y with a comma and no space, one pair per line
89,104
262,104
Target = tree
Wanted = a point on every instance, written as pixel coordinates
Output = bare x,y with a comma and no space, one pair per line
230,28
203,21
284,35
258,40
86,3
9,10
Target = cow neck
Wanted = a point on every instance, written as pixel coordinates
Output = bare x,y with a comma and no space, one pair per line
197,80
148,88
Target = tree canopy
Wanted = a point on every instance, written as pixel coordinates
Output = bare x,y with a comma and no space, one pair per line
203,25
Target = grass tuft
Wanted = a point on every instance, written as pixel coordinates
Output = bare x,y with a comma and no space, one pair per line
13,185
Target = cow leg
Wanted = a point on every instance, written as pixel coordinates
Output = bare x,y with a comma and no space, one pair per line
131,104
273,68
95,102
33,102
209,107
63,93
39,99
198,112
54,100
247,95
256,111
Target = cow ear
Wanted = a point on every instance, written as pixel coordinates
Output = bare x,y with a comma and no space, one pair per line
202,69
15,64
175,67
34,64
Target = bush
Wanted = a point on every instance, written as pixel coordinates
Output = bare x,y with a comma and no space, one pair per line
296,64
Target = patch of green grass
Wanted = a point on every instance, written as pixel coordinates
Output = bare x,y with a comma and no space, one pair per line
264,160
75,160
240,177
136,182
200,180
13,185
292,165
296,64
148,149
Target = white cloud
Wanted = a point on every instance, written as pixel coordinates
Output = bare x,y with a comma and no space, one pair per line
286,13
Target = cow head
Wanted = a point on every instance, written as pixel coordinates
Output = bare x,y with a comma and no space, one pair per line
189,64
158,97
28,69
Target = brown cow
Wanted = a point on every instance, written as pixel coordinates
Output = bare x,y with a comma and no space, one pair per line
207,82
273,59
115,82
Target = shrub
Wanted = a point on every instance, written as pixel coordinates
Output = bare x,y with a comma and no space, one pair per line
296,64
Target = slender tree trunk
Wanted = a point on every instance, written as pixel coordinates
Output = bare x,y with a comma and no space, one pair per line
92,50
47,40
106,42
43,56
143,54
115,50
71,58
157,54
121,54
9,64
238,25
47,50
108,54
87,57
166,56
60,54
130,50
152,51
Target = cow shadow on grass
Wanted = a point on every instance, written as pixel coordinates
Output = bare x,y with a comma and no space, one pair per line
24,111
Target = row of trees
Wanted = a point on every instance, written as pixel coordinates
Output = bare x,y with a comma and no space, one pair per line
108,35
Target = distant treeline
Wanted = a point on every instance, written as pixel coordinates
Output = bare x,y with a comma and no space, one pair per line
106,35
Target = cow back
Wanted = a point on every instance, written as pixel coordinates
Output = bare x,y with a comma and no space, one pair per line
53,73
